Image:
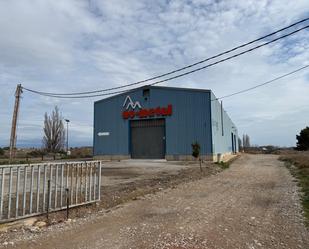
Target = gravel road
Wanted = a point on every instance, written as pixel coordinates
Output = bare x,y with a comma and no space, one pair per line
253,204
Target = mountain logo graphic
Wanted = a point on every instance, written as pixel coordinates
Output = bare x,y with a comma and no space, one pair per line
129,103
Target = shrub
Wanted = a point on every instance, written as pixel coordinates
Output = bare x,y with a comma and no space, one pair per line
196,149
303,139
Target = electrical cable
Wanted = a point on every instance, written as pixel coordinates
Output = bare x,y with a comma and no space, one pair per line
174,77
177,70
262,84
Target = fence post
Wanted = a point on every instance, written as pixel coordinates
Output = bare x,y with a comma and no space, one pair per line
31,189
48,199
2,191
56,187
17,192
10,192
86,182
24,191
38,185
44,187
99,190
61,186
68,201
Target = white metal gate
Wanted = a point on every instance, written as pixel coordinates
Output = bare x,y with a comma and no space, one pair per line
34,189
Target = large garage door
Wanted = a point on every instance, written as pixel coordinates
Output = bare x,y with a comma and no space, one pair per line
148,138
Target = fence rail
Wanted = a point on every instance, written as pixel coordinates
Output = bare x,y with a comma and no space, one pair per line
34,189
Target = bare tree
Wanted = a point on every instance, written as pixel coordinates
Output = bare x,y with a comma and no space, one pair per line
245,141
54,133
239,144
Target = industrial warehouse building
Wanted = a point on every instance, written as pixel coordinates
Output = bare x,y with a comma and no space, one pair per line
162,122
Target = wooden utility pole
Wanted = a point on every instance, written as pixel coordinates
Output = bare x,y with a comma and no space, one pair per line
18,93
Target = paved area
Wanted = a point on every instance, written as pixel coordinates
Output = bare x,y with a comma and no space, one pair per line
254,204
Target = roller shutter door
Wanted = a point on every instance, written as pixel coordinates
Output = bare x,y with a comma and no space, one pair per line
147,138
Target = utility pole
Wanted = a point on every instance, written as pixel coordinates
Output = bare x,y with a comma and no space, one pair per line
18,93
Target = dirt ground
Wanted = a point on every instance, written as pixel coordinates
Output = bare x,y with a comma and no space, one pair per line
126,171
254,204
120,181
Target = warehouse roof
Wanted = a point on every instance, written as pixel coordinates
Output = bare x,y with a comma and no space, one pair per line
156,87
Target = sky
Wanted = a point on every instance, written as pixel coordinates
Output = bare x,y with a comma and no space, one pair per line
79,45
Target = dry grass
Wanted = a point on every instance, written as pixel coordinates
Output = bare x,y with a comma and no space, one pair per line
298,163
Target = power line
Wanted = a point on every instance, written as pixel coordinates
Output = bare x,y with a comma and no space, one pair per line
77,97
176,76
177,70
262,84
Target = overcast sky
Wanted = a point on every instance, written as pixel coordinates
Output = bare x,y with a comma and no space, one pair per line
79,45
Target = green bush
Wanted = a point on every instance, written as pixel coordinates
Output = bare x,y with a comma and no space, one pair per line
196,149
303,139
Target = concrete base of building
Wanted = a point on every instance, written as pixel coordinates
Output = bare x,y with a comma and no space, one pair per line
187,158
112,157
223,157
220,157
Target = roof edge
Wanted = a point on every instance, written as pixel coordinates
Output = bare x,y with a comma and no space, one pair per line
155,87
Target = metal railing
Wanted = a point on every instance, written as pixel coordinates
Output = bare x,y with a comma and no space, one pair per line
34,189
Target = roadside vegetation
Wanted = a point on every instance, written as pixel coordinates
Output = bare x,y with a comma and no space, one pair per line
223,165
298,164
35,155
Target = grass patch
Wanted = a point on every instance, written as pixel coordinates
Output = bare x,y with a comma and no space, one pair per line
223,165
298,164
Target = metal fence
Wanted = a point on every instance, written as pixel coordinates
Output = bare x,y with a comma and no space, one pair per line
29,190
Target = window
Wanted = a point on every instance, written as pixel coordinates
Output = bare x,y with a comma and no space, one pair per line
146,93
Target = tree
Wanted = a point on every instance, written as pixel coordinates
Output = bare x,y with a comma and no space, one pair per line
1,151
54,133
303,139
245,141
196,148
239,144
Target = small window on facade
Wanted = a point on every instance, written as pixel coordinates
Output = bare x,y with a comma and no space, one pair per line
146,93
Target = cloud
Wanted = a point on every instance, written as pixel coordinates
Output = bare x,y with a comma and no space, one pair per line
69,46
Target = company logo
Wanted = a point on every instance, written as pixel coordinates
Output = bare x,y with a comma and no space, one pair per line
148,113
128,102
130,111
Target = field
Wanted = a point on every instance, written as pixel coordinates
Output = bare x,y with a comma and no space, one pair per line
32,155
298,163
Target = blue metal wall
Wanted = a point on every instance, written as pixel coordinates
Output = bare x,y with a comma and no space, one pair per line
190,121
222,142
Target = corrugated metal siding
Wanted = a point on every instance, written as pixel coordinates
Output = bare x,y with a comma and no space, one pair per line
189,122
221,144
107,118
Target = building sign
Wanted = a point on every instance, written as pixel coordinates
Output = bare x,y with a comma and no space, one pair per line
129,103
106,133
151,112
131,112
